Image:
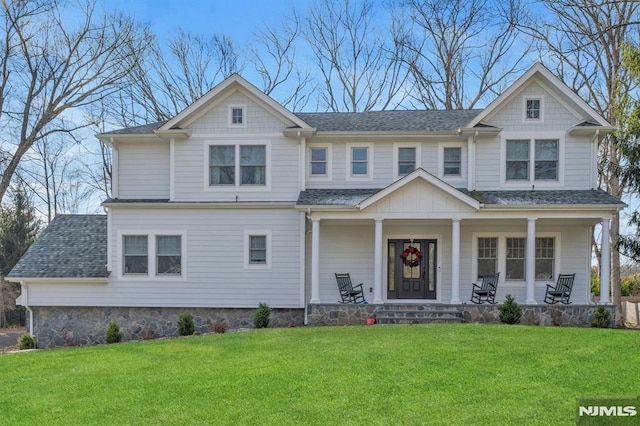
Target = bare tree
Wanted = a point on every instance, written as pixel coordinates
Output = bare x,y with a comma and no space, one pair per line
49,67
583,40
274,58
358,62
168,80
459,54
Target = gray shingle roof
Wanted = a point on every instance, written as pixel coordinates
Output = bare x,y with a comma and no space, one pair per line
353,197
72,246
389,121
145,129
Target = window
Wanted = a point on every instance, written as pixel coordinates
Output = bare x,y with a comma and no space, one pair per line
135,253
533,109
546,167
359,161
257,249
515,258
237,116
318,161
222,165
226,160
406,161
452,161
544,258
252,165
518,160
169,254
487,256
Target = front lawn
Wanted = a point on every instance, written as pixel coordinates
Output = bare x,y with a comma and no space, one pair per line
377,375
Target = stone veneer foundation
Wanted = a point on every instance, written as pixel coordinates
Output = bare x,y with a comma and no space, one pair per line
79,326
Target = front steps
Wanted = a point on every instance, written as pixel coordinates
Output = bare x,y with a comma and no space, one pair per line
417,314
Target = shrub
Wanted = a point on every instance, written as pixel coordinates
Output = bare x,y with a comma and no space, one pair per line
601,318
113,333
510,311
186,326
26,341
630,286
220,327
261,318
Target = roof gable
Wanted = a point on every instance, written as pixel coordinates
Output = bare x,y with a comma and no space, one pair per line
419,186
552,84
221,91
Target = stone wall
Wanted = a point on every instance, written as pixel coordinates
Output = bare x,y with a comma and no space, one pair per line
79,326
571,315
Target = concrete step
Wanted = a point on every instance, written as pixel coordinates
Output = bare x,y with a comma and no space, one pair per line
417,316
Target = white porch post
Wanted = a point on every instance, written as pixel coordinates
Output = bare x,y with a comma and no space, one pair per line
377,263
455,261
531,262
605,259
315,260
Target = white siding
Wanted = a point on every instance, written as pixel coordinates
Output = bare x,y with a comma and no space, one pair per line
143,170
191,155
213,263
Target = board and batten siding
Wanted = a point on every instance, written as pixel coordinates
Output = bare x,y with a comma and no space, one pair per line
214,273
143,170
191,156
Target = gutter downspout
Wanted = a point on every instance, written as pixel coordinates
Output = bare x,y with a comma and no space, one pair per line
25,295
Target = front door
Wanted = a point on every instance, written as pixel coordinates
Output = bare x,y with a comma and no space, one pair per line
412,269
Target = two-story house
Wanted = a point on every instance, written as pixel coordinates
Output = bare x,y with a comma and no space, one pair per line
237,201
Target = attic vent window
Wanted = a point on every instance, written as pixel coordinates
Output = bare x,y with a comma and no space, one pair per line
533,109
237,116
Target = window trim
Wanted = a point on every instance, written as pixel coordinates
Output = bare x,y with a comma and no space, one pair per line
502,254
370,162
247,245
152,269
532,137
450,179
236,187
525,99
396,157
244,116
329,175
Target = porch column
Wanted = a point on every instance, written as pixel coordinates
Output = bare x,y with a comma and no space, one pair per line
455,261
377,263
605,262
315,260
530,267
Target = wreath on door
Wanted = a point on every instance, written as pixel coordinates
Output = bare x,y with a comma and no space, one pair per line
411,256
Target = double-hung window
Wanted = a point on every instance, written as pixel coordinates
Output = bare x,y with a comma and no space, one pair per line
257,249
135,254
543,154
169,254
406,161
487,256
516,258
452,161
237,165
545,258
360,161
319,161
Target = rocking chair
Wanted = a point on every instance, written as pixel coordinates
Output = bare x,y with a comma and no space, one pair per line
348,292
562,290
485,292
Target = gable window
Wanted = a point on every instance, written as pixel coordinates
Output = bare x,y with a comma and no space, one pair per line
487,256
237,116
533,109
546,166
360,161
237,165
545,258
135,253
169,254
318,161
515,258
252,164
452,161
406,161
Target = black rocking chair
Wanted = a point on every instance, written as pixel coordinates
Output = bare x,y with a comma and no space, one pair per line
348,292
485,292
561,292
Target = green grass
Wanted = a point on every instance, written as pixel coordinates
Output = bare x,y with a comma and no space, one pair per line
437,374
